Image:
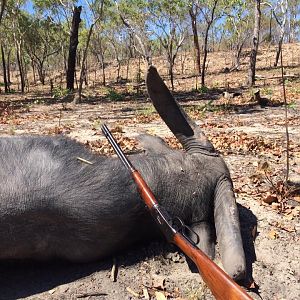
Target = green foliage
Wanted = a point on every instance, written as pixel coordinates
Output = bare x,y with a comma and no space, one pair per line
292,105
295,90
201,90
38,101
41,36
58,92
267,91
53,6
208,107
147,111
113,95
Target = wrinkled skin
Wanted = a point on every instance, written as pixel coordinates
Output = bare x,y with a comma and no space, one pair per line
54,205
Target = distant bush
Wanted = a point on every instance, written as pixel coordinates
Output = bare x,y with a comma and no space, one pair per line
58,92
202,90
113,95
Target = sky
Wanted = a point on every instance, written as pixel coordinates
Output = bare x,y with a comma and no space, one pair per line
29,7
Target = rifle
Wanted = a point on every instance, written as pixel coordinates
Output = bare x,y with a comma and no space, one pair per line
220,284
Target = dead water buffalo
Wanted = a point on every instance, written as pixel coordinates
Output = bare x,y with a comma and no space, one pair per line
54,205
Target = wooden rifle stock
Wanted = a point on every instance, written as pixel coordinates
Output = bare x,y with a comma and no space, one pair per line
220,284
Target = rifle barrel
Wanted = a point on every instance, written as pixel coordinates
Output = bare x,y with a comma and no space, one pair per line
117,148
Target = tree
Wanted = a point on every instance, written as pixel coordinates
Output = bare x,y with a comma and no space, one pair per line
255,42
60,12
99,47
96,17
237,28
151,21
40,41
293,23
19,24
281,19
6,84
134,15
208,11
73,47
193,12
168,20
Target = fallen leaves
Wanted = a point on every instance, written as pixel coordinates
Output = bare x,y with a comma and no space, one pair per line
283,225
241,143
270,198
273,235
128,145
160,296
297,198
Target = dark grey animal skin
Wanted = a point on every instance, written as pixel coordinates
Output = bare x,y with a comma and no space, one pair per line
54,205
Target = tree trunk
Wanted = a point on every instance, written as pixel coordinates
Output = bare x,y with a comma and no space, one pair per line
6,85
33,71
8,69
205,51
100,57
73,47
282,24
131,47
208,25
83,66
237,56
279,49
118,69
171,74
101,60
196,40
270,27
40,70
21,70
86,73
255,41
127,68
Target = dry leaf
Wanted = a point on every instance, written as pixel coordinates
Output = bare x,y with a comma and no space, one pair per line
160,296
273,235
276,205
146,294
117,129
132,292
297,198
264,166
270,198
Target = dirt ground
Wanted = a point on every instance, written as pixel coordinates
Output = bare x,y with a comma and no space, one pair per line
252,140
271,237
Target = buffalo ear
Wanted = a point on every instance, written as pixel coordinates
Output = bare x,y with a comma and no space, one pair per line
166,106
187,132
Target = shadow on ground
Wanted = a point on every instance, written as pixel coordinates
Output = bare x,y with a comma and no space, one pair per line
24,279
19,280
